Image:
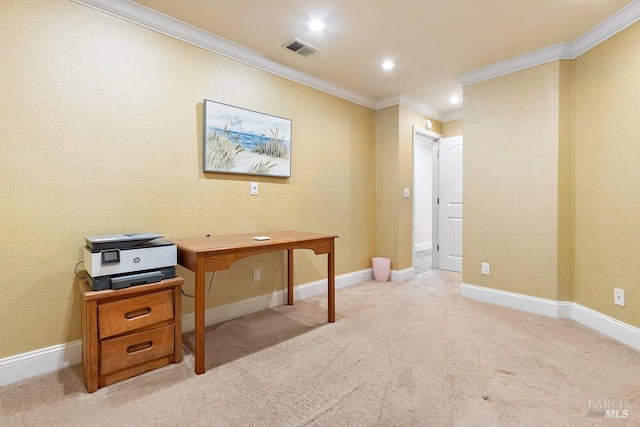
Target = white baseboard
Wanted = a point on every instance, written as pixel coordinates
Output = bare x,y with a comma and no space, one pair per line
233,310
403,275
423,246
545,307
620,331
27,365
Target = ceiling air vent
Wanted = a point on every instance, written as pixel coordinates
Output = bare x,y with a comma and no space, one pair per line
298,46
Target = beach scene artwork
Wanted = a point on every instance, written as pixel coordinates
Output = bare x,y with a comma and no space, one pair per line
245,142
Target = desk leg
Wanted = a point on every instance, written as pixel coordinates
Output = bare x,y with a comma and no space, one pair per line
290,277
331,281
199,312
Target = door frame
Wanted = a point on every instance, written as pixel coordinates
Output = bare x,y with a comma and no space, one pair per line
434,138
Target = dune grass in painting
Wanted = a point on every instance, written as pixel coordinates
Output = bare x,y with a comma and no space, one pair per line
223,150
274,147
263,167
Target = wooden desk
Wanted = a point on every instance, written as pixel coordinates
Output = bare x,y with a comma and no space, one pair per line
215,253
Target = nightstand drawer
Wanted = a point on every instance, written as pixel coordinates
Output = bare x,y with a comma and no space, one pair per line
134,349
126,315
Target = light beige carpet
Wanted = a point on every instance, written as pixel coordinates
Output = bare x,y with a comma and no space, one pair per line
410,354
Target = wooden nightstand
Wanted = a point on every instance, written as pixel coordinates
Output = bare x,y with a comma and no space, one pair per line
130,331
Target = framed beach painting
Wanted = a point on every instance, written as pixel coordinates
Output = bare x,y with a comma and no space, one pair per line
242,141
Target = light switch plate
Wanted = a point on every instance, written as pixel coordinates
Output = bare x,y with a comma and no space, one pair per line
254,188
406,193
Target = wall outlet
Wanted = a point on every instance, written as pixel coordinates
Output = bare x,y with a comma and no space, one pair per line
256,274
254,188
618,296
486,268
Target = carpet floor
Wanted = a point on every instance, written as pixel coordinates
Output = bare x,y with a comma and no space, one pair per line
408,354
422,261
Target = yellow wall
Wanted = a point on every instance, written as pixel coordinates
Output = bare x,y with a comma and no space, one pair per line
387,183
551,179
565,212
607,176
452,128
394,172
101,133
511,136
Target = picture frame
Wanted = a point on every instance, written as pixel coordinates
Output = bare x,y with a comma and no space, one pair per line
241,141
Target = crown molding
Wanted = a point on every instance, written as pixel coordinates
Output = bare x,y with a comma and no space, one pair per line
420,107
387,102
411,104
147,18
140,15
542,56
171,27
155,21
609,27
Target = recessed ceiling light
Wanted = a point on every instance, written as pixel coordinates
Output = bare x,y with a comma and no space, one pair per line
455,99
316,25
387,65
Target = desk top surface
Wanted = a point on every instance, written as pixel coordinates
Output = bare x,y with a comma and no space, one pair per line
237,241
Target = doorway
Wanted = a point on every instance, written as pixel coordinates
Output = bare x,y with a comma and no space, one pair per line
424,199
437,202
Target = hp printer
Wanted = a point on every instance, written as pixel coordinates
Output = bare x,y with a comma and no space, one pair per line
122,260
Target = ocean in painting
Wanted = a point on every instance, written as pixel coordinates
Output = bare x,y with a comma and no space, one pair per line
247,141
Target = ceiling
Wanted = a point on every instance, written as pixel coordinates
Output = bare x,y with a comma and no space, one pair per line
430,41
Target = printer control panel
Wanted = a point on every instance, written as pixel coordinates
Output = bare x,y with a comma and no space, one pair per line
111,256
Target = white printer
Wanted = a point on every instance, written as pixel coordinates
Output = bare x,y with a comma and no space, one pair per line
122,260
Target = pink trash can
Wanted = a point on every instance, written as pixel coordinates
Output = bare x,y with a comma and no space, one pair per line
381,269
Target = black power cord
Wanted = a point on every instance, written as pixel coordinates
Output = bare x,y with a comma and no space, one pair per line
206,293
75,270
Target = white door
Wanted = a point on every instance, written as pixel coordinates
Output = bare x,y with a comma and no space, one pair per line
450,204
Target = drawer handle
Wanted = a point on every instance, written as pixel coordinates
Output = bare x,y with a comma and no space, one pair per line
137,313
139,347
